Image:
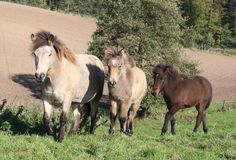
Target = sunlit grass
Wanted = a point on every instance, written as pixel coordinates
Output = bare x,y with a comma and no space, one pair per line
146,143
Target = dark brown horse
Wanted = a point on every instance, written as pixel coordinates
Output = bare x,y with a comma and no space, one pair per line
179,92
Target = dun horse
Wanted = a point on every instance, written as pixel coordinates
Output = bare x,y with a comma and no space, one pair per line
127,86
66,78
179,92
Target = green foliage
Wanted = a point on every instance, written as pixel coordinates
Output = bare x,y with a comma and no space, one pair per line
149,30
146,143
213,21
14,121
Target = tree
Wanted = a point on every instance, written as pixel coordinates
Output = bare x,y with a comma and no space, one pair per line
213,21
149,30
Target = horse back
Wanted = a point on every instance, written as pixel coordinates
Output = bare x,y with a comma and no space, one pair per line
193,90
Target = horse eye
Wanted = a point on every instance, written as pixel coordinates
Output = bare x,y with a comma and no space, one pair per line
157,75
50,54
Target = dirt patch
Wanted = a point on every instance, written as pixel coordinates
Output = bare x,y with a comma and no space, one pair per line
220,70
17,22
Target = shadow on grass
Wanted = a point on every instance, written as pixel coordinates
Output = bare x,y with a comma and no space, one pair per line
17,123
26,121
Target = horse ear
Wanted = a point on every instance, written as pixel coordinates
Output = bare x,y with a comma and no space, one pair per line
121,52
106,56
167,68
51,39
106,50
33,37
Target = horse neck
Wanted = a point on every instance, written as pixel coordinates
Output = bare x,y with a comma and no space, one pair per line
57,68
170,83
124,77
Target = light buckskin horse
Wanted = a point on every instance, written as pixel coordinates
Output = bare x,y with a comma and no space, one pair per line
127,86
179,92
66,78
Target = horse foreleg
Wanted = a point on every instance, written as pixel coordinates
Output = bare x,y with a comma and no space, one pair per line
172,122
76,121
113,115
123,116
63,119
93,115
168,117
46,116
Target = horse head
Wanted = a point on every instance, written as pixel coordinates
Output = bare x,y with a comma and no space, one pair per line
44,53
160,74
117,61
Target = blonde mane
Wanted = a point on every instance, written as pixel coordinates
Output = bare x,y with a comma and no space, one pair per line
117,51
43,38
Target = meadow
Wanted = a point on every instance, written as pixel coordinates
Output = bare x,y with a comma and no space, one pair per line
22,136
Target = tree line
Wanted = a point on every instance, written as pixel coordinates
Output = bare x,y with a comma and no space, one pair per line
213,22
208,23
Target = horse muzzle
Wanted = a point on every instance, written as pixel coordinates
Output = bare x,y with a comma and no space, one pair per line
155,91
40,77
112,83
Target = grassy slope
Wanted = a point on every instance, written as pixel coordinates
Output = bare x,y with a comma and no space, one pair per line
146,143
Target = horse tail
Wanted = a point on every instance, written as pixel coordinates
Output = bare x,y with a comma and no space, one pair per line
208,103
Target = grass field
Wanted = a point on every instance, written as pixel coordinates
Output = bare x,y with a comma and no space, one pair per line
23,137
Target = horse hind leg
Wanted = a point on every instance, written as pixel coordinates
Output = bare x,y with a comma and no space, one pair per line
93,115
131,116
76,121
200,110
173,122
204,121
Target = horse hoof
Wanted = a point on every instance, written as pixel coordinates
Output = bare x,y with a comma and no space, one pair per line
130,134
205,131
60,138
123,132
162,133
173,133
71,133
111,131
49,132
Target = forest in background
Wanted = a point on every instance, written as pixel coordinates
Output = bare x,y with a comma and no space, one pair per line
208,23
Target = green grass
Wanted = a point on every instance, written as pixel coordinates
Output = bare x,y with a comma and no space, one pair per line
30,141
